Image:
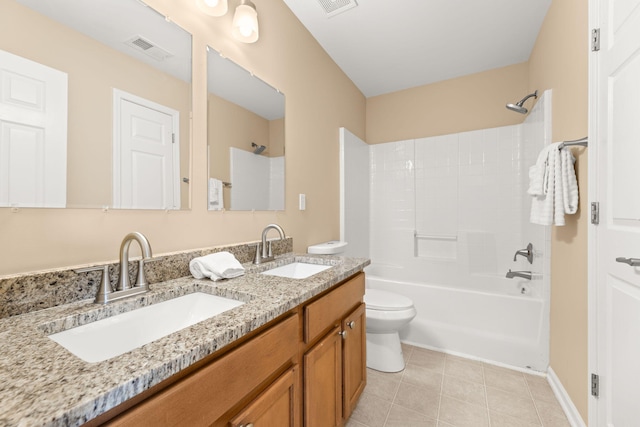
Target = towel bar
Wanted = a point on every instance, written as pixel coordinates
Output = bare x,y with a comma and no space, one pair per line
583,142
433,237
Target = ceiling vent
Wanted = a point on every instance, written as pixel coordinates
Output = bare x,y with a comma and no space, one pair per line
141,44
334,7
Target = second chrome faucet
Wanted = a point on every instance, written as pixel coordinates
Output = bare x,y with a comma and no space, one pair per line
264,252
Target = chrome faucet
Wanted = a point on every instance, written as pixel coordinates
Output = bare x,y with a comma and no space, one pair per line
527,253
524,274
267,253
106,293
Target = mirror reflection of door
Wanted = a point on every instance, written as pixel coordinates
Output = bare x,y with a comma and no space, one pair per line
146,154
33,133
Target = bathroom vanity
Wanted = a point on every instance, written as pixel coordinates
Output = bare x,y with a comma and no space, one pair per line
293,354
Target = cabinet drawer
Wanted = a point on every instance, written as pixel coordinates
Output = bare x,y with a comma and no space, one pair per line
208,393
327,312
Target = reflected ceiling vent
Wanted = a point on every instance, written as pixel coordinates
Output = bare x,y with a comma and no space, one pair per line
334,7
141,44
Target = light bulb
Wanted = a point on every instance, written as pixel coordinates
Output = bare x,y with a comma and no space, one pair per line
245,23
213,7
245,27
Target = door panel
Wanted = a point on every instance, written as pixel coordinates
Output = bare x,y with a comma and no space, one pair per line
615,140
323,382
623,330
354,358
275,407
146,156
33,133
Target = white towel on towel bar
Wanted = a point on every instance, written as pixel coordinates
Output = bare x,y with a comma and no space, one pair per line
220,265
539,173
559,181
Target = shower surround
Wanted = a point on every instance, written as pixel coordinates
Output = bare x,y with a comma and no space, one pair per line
446,216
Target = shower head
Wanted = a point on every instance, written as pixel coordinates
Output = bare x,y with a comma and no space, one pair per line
257,149
518,108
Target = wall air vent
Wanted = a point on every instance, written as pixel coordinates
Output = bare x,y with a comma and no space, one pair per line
143,45
334,7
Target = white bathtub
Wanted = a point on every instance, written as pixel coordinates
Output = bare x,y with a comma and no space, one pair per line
499,325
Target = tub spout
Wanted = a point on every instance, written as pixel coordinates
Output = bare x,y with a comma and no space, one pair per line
523,274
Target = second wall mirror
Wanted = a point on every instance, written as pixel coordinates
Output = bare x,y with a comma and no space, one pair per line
246,139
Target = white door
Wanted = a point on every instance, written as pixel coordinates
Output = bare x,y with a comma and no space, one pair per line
33,133
146,154
615,106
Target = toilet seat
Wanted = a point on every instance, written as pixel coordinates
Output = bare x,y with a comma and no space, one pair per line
376,299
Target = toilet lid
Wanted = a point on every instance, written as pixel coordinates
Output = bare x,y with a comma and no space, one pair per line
383,300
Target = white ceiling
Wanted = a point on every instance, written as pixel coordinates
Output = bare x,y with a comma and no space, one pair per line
388,45
230,81
113,22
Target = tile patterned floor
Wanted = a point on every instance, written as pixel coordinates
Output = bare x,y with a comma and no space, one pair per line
439,390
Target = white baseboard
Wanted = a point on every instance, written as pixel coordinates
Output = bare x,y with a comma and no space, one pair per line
568,407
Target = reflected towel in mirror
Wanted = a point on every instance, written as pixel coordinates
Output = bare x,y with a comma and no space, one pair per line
216,195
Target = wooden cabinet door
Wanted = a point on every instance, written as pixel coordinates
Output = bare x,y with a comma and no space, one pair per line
354,363
275,407
323,382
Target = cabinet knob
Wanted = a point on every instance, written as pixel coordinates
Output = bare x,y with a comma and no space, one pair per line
246,425
343,334
351,324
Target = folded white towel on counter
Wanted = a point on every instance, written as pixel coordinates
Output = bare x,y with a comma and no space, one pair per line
560,188
220,265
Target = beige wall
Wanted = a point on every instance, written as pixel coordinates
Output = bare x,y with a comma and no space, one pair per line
93,71
559,61
319,100
466,103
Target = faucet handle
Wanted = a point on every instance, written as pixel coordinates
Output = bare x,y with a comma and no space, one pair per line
257,259
527,253
141,280
102,297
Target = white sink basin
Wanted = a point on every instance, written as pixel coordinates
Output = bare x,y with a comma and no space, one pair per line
297,270
107,338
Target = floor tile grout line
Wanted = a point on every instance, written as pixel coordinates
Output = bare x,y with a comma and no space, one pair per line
395,394
533,400
486,396
441,392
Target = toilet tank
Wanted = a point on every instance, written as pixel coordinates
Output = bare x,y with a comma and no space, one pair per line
331,247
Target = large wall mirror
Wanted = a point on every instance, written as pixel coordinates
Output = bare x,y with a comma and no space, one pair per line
95,105
246,139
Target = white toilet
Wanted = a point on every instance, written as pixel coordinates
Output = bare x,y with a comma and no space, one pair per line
386,313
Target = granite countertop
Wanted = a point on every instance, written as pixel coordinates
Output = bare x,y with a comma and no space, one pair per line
42,384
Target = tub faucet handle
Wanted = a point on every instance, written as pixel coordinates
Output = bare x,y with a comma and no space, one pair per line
527,253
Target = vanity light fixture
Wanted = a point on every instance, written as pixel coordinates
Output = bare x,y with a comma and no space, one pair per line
213,7
245,22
